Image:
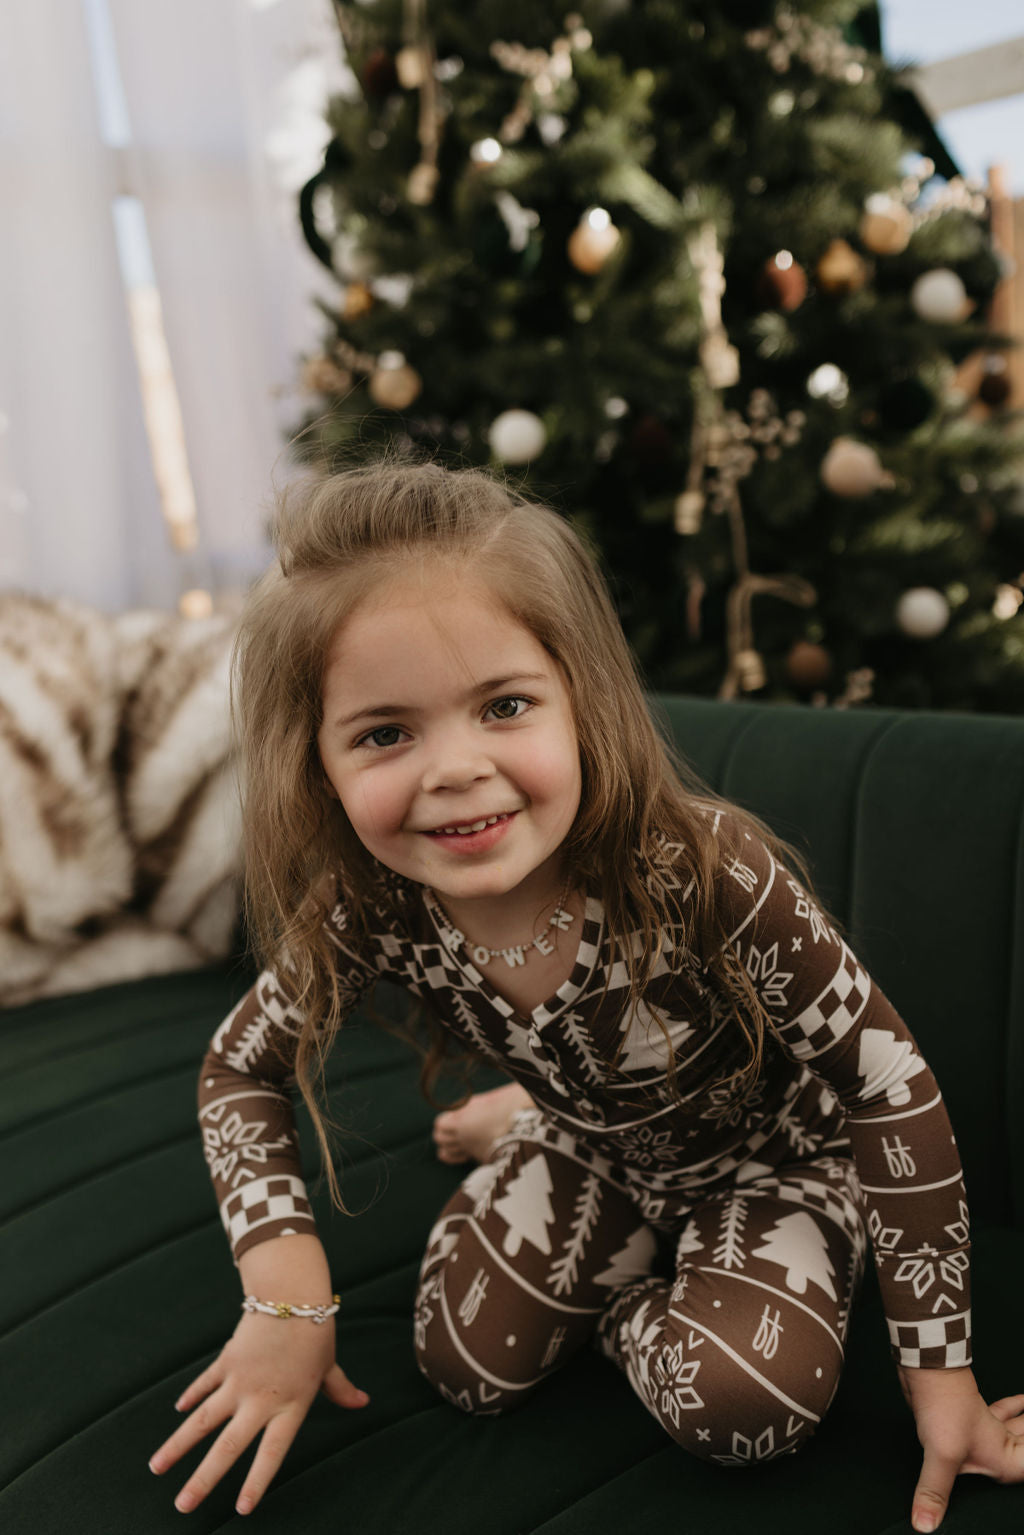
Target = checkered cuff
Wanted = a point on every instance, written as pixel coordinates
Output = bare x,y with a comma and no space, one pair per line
830,1018
266,1207
939,1343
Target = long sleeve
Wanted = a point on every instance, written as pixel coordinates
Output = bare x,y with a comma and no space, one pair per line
829,1015
245,1108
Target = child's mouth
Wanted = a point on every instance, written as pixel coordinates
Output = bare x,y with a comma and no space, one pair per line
473,836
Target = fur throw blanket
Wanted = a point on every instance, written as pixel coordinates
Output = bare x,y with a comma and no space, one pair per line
120,822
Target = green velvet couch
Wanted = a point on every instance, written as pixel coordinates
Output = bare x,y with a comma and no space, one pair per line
116,1284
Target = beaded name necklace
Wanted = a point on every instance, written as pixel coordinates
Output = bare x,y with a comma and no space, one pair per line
515,954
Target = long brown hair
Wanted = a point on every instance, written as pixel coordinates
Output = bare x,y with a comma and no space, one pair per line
337,538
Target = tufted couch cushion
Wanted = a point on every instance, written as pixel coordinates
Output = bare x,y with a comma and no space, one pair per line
117,1286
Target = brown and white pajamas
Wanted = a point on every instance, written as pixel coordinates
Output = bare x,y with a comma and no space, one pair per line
710,1242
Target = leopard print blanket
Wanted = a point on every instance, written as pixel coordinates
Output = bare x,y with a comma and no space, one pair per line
120,840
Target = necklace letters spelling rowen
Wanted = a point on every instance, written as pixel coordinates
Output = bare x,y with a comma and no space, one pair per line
516,954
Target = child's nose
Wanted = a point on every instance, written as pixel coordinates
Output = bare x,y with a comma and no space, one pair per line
457,764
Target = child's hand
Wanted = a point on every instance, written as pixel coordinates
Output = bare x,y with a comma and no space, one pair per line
264,1379
959,1432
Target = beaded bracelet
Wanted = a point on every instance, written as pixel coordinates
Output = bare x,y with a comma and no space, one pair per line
282,1309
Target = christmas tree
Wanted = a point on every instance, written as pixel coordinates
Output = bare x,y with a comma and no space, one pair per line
676,266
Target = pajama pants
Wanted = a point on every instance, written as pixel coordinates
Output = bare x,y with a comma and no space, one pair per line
729,1321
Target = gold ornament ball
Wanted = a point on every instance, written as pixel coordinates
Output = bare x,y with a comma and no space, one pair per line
321,375
422,184
808,666
358,301
851,468
750,672
689,512
395,388
886,226
594,239
411,67
841,270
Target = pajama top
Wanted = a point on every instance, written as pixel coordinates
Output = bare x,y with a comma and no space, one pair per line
841,1076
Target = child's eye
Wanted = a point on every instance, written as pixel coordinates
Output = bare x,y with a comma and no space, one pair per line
508,708
383,737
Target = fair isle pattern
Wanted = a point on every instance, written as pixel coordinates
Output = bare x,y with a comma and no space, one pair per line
737,1355
841,1074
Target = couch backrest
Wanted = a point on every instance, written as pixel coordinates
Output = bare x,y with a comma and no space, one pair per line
912,824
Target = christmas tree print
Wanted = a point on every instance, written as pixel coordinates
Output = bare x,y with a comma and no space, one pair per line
798,1245
565,1272
729,1252
471,1023
887,1065
580,1042
632,1261
690,1241
645,1039
526,1207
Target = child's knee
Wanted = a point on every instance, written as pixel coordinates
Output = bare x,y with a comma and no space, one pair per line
736,1420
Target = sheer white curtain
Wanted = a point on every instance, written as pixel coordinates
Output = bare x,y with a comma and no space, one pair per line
224,101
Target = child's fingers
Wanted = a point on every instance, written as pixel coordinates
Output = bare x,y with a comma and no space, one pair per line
931,1494
274,1446
339,1389
235,1437
1006,1408
203,1384
206,1417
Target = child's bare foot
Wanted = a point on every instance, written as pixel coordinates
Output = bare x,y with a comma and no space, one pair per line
467,1134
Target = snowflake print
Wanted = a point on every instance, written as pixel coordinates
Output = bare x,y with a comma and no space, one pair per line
424,1313
672,1379
645,1147
745,1450
806,908
763,969
235,1141
727,1107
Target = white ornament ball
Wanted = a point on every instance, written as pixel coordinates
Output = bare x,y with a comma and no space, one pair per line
940,297
517,436
922,612
852,468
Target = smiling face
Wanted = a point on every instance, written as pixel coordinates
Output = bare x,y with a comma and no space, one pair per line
448,737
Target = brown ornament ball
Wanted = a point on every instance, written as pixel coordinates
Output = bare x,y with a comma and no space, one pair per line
358,301
841,270
380,77
395,388
782,283
651,442
808,666
996,386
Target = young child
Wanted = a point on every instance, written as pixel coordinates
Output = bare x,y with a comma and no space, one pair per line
453,782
